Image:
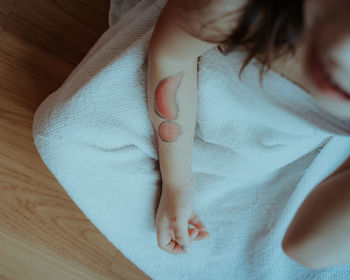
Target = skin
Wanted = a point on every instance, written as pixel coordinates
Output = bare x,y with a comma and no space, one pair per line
327,24
175,218
175,211
333,41
166,107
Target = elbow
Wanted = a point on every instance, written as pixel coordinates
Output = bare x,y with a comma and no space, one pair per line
300,255
299,245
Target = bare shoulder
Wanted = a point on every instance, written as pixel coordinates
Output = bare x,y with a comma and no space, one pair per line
345,166
209,20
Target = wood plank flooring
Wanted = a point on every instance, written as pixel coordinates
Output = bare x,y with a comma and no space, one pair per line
43,234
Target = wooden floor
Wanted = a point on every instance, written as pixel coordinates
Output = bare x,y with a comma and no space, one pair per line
43,234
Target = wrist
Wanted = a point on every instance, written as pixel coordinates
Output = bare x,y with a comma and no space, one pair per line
187,180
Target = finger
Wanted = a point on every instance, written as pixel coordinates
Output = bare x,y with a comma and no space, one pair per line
173,248
195,221
202,235
193,232
181,234
164,238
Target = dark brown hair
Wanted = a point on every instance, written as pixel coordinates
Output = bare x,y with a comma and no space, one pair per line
268,28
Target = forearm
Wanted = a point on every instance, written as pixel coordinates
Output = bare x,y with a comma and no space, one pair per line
172,102
319,235
172,89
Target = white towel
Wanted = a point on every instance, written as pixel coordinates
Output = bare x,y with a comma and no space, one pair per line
257,153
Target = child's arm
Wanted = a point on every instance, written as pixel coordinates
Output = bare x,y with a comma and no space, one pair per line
318,235
172,94
177,42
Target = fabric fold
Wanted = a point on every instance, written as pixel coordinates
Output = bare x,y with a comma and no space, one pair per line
257,153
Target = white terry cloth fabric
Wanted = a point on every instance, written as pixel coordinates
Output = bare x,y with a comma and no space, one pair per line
257,153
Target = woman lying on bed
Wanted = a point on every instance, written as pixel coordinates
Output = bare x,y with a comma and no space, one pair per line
308,42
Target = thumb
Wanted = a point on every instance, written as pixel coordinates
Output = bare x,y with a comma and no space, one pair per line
181,235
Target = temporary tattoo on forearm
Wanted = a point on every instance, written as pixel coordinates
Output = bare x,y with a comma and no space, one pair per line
166,107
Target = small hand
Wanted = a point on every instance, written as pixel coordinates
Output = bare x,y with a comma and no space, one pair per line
174,214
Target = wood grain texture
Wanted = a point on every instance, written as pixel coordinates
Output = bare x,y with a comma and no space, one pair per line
43,234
